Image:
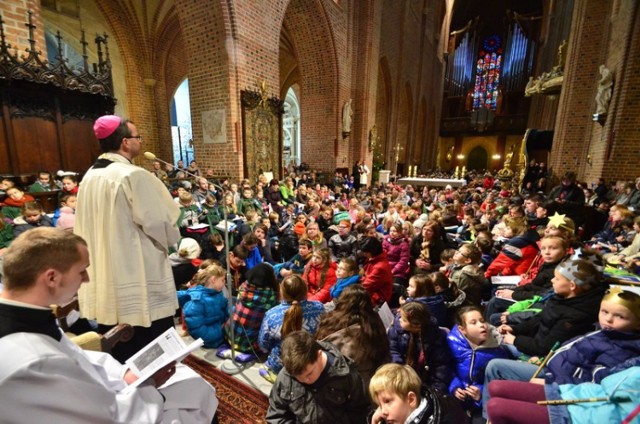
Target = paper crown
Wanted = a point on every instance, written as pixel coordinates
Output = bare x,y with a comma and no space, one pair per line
574,269
590,255
106,125
562,221
628,299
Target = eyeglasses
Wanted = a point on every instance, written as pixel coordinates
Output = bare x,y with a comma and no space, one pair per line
139,137
462,253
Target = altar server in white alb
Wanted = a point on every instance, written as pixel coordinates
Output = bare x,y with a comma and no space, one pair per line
128,219
45,377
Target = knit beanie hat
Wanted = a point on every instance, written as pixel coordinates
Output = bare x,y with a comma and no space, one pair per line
299,228
341,216
422,219
189,248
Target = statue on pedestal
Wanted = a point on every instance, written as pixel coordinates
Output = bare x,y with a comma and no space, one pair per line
347,114
605,87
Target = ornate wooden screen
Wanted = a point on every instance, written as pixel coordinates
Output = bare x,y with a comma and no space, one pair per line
48,109
261,134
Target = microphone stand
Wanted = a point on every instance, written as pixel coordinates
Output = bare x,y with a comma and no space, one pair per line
231,366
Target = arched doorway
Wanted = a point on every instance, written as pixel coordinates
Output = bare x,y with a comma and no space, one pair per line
291,129
478,158
181,133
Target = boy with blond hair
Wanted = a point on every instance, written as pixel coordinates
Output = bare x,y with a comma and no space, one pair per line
401,398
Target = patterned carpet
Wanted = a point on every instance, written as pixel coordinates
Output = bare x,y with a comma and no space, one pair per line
238,403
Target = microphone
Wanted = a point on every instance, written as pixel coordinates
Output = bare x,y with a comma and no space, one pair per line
150,156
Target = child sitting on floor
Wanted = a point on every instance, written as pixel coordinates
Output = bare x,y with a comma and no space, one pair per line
570,312
553,250
32,217
320,275
473,343
189,212
401,398
13,203
468,275
416,340
453,297
255,297
421,290
69,184
204,306
65,216
347,274
292,314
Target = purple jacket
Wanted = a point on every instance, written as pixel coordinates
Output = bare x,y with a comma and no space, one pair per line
397,255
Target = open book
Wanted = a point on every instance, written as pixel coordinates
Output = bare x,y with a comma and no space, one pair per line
166,348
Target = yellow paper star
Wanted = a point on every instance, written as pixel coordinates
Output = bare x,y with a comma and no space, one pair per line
557,220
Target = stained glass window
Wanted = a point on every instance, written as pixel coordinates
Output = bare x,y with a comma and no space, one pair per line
488,69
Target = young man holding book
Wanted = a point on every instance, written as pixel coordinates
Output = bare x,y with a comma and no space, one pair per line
47,378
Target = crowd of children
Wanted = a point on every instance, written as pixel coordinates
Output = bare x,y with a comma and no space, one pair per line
478,277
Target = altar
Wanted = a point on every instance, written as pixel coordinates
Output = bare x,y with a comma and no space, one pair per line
432,182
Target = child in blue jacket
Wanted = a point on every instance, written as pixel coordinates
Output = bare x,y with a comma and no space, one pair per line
204,306
473,343
421,289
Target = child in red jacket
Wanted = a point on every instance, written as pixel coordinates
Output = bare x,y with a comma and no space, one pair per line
320,275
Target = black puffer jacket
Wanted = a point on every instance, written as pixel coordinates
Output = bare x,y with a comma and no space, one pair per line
560,320
439,409
341,399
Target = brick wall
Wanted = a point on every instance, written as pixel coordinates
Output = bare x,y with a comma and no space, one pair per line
573,123
15,16
621,141
603,32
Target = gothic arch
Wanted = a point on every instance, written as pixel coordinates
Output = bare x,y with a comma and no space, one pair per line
288,63
306,26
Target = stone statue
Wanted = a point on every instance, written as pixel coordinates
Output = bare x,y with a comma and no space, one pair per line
534,86
561,49
605,87
527,89
347,113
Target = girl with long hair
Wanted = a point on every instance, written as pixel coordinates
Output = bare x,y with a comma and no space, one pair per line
294,313
416,340
357,330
